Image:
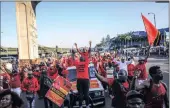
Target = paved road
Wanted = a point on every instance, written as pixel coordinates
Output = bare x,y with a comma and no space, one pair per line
163,62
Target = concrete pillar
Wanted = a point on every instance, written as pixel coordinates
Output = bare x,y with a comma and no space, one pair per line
26,30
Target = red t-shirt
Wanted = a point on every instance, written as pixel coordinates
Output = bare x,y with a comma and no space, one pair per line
155,96
36,74
70,62
52,74
94,60
30,85
131,69
142,68
111,81
15,81
82,70
101,69
85,55
6,76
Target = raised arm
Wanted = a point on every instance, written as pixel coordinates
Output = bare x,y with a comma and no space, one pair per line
72,54
114,60
77,48
101,78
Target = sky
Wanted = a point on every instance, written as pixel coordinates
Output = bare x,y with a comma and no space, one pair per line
64,23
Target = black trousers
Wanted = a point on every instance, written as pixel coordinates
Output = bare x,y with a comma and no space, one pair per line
46,101
83,89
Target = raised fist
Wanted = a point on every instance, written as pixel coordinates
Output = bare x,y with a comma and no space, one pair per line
75,44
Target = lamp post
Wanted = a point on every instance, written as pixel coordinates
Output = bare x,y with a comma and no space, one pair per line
154,17
154,23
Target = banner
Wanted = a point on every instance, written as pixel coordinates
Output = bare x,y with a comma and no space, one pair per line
93,84
24,62
152,32
59,90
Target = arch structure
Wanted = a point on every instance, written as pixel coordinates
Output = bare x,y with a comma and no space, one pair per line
27,30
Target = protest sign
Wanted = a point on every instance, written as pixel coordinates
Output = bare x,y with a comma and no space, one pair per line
59,90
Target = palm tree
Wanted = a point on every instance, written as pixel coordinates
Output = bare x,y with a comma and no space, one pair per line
125,38
103,41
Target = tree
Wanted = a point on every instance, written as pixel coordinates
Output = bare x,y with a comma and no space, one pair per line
107,38
103,41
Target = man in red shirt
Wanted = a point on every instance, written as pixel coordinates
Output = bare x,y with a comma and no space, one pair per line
154,90
30,86
85,53
120,87
4,73
83,82
131,69
15,82
52,72
141,66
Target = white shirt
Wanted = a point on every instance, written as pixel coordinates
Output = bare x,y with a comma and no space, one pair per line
123,65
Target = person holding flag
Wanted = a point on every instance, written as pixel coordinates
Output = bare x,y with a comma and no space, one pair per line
152,35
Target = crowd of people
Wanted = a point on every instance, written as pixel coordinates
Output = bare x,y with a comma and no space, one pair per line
130,86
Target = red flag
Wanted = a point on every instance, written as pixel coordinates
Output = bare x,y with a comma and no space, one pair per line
151,30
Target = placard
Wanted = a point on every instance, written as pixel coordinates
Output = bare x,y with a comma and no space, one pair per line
93,84
59,90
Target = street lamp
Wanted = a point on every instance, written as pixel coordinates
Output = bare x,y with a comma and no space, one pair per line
154,17
155,26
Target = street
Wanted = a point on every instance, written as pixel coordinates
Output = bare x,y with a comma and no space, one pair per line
163,62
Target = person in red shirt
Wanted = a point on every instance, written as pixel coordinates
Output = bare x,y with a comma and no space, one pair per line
85,53
94,60
23,73
141,66
83,82
30,87
102,72
120,87
52,72
15,82
131,69
5,76
37,73
154,90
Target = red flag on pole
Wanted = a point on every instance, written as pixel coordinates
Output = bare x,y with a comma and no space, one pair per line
151,30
